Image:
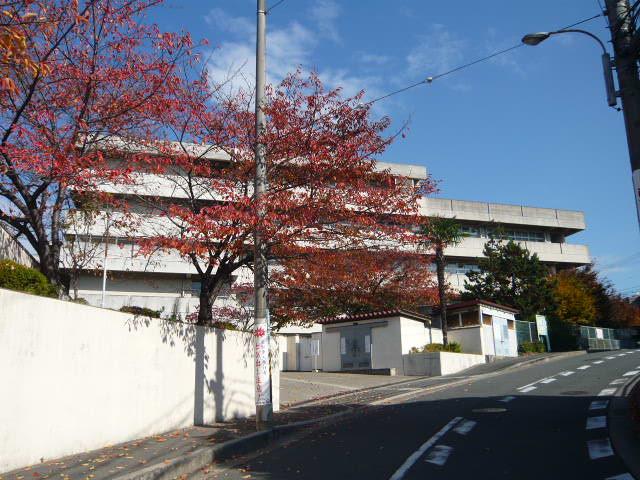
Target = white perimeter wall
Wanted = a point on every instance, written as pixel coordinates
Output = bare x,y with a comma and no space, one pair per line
439,363
469,338
77,378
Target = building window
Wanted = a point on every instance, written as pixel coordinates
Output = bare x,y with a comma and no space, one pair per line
525,236
487,319
511,324
471,231
470,319
195,288
460,268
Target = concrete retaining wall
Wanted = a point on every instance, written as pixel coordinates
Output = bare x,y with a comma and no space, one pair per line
434,364
77,378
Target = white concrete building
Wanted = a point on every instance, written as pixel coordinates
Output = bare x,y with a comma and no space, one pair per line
167,282
374,341
483,328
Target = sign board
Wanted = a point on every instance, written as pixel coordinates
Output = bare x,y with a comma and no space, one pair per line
599,334
541,325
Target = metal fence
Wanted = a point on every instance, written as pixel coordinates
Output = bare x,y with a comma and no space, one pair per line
596,338
526,332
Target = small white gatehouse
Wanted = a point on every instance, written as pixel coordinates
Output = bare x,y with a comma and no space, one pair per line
483,327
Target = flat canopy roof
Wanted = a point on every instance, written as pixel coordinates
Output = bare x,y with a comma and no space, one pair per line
478,302
375,315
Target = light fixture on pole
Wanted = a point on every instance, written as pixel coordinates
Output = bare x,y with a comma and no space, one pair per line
533,39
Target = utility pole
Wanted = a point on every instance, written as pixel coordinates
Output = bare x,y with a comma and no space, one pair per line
622,25
264,407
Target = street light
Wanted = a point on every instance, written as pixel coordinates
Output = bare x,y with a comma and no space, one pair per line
533,39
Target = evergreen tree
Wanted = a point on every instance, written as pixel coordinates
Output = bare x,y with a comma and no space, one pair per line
511,276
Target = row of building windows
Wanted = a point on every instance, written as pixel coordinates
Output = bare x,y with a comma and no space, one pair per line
516,235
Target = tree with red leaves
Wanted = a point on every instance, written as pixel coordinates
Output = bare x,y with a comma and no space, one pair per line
328,283
84,70
325,190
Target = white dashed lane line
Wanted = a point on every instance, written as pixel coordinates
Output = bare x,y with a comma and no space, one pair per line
439,455
548,380
607,392
598,362
464,427
599,448
584,367
631,373
618,381
594,423
526,389
567,373
599,405
610,358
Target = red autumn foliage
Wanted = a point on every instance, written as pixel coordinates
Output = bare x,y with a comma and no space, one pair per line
326,283
324,191
101,71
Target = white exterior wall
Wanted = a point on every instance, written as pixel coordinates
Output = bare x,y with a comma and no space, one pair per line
386,344
488,340
82,378
414,334
469,338
330,350
439,363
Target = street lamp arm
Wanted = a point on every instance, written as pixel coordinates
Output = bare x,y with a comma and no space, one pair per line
584,32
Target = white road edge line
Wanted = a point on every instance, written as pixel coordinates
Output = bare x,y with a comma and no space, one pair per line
548,380
528,389
439,455
599,404
622,476
599,448
413,458
465,427
594,423
631,373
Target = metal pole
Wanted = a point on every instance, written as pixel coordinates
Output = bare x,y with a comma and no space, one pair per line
104,273
622,32
264,408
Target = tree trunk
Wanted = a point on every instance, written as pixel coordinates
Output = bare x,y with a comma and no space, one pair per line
210,287
442,292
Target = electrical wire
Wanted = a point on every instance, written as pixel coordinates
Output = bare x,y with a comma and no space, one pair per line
469,64
274,6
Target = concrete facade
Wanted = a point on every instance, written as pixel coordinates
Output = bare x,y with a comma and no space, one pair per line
79,378
163,281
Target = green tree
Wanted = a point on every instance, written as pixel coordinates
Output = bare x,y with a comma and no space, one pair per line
575,301
508,274
440,233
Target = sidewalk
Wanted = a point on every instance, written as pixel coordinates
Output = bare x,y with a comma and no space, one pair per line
624,431
174,453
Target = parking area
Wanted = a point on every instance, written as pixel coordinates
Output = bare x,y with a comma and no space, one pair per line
296,387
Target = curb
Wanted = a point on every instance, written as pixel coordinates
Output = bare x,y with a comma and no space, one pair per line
626,441
205,456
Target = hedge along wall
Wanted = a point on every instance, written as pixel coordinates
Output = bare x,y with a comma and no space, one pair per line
77,378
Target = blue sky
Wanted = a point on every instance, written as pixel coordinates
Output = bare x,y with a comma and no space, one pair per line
531,127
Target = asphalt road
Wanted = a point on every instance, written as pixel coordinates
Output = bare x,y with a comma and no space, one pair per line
545,421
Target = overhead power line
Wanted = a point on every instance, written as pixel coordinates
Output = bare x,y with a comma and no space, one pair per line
430,79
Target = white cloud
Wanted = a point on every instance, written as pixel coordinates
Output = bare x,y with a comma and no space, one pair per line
374,59
508,60
325,14
288,48
436,52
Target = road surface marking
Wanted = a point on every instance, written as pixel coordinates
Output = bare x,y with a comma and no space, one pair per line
312,382
599,448
599,404
621,355
439,455
596,422
507,399
413,458
607,391
465,427
631,373
619,381
622,476
610,358
548,380
598,362
567,373
528,389
584,367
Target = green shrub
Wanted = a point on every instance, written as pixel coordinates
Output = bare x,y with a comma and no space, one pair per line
438,347
142,311
14,276
532,347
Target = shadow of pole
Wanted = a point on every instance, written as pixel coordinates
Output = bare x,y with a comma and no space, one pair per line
200,378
